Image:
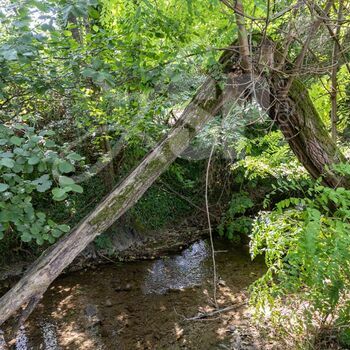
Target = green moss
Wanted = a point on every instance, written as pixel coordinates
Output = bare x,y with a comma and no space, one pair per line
118,202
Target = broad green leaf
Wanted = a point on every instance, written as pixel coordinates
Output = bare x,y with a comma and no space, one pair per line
3,187
26,237
65,167
56,233
16,140
76,188
65,181
7,162
43,187
64,228
74,156
59,194
10,55
33,160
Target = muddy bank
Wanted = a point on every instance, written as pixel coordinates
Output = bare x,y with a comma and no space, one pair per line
149,305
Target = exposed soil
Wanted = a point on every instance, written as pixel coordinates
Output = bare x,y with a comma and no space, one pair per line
147,305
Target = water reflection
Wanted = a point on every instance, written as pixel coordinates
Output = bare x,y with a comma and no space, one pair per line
178,272
22,340
49,334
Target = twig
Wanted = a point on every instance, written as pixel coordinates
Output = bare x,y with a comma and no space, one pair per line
300,59
335,69
335,35
209,225
204,315
169,189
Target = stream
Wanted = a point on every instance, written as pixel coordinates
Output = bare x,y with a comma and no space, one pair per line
147,305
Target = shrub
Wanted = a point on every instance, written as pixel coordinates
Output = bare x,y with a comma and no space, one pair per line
306,246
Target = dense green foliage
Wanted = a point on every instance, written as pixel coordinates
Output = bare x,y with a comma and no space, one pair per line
30,166
87,88
306,246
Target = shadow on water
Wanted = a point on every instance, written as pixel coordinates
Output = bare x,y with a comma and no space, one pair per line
144,305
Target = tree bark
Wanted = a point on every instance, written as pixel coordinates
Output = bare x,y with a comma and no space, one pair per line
305,132
52,262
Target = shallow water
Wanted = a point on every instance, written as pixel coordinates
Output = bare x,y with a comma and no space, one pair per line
143,305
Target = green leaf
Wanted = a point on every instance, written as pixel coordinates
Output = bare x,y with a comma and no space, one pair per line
33,160
74,156
43,187
10,55
3,187
76,188
59,194
50,143
16,140
39,241
65,167
26,237
89,73
35,230
65,181
56,233
7,162
41,216
64,228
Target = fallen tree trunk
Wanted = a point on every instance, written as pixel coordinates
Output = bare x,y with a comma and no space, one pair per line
53,261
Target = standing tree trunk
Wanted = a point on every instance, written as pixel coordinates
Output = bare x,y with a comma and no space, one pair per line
305,132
